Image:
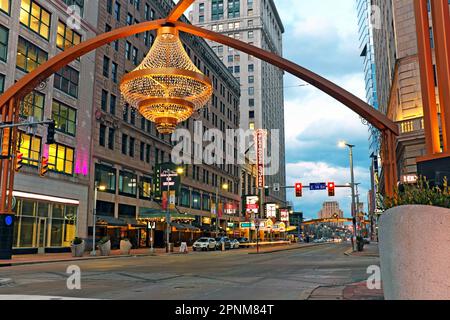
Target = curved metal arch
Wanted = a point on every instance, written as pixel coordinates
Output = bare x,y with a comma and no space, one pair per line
27,83
376,118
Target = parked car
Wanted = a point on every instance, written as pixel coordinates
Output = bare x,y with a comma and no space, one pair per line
221,240
235,244
243,242
204,244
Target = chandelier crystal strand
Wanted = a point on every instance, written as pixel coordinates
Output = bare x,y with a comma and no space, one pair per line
166,88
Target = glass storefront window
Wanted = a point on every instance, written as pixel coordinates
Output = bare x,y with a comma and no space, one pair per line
127,184
185,198
206,205
145,190
35,226
196,201
106,176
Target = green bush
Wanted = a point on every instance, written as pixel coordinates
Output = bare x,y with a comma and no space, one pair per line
103,240
420,193
76,241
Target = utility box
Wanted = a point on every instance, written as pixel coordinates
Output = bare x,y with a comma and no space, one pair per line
6,236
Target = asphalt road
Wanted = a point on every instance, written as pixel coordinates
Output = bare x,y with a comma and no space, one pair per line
231,275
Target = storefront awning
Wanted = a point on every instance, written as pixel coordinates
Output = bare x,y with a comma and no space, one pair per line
159,214
184,227
111,221
134,223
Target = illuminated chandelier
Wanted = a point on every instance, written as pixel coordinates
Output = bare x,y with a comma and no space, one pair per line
166,88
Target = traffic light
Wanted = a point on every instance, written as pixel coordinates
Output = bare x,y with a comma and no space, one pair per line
44,166
51,133
298,190
331,189
18,163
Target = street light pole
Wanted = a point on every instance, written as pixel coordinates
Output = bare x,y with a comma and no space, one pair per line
93,252
168,216
96,188
352,174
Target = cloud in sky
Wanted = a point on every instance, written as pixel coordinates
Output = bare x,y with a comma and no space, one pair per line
323,37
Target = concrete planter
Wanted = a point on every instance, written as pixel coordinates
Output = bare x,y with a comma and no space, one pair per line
414,253
125,246
105,249
78,249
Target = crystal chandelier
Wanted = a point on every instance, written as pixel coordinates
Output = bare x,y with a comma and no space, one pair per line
166,88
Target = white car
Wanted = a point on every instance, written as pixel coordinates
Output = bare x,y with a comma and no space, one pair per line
204,244
235,244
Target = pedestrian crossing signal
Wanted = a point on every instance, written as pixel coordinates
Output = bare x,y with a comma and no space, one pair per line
331,189
19,161
44,167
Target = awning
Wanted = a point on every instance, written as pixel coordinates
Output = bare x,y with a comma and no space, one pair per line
111,221
159,214
184,227
291,228
133,222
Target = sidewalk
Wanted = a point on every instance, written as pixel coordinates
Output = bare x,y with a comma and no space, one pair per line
62,257
370,250
354,291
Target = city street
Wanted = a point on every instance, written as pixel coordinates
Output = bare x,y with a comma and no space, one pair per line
235,275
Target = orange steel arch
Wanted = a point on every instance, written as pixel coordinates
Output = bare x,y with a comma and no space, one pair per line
9,100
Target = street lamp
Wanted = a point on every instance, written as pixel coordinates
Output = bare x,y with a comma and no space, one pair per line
96,188
179,172
225,187
343,144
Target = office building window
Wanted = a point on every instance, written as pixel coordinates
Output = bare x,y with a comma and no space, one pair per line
131,150
114,67
124,144
127,184
67,80
29,56
251,67
104,101
117,10
4,35
2,83
106,66
111,135
106,176
5,5
112,104
102,135
66,37
33,105
65,118
61,158
30,147
36,18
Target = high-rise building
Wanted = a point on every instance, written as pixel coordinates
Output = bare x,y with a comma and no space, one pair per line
127,148
50,210
365,28
399,80
258,23
331,210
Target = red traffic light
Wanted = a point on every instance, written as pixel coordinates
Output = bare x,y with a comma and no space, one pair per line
19,161
331,189
298,190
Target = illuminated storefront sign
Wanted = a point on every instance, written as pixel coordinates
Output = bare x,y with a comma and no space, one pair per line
271,210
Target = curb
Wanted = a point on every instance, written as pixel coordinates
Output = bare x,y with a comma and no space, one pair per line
307,293
349,252
5,282
289,249
13,264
